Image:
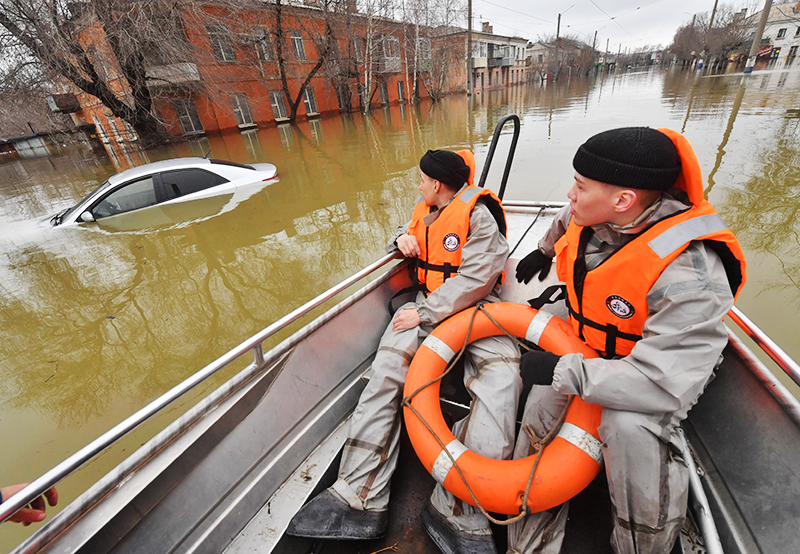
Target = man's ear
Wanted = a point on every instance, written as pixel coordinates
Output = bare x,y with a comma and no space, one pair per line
437,186
625,200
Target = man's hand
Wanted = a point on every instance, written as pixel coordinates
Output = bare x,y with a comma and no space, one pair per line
405,319
36,512
535,262
408,246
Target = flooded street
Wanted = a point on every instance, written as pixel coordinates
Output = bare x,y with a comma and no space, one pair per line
99,319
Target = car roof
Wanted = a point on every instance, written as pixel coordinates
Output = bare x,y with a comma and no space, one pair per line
164,165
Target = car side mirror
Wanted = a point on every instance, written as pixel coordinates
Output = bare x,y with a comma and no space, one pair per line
86,217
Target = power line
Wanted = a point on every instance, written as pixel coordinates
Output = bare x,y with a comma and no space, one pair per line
520,13
613,19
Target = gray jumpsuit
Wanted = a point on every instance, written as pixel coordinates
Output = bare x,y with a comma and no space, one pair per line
491,376
645,395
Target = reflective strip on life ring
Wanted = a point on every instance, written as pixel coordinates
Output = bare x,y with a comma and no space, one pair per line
568,463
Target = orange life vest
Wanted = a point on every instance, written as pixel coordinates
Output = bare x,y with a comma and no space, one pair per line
608,304
442,238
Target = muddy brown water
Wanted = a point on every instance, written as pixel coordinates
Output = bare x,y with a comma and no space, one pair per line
99,319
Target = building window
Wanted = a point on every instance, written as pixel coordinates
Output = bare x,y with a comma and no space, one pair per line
424,48
278,105
187,116
343,96
100,131
355,46
793,51
310,101
241,109
298,47
384,93
478,49
391,47
401,91
221,43
264,47
781,33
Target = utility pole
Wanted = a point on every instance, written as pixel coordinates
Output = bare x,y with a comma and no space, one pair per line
594,52
469,47
558,41
711,21
751,59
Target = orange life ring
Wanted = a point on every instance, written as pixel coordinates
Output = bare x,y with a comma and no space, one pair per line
568,463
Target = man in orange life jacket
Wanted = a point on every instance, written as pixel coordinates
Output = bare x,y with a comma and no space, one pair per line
650,271
457,235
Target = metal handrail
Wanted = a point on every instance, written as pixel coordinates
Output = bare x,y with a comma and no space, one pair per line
775,352
41,484
498,128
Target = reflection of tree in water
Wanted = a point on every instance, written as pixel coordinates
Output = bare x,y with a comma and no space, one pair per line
765,213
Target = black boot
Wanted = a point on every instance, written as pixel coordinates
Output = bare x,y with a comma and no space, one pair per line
329,517
452,540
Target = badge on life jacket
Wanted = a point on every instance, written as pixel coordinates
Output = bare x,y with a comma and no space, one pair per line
451,242
620,307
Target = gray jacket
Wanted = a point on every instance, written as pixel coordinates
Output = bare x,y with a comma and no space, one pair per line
483,257
683,334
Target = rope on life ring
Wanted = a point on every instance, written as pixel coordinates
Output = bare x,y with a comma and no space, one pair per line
557,473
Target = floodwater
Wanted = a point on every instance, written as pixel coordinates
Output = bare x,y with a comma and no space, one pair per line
99,319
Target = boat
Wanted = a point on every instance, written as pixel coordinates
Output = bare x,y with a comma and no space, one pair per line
229,474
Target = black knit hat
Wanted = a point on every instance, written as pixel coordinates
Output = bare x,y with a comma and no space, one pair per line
634,157
445,166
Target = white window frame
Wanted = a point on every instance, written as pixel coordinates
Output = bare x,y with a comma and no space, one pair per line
424,48
181,107
310,101
782,33
391,47
264,46
278,105
401,91
241,110
221,43
298,47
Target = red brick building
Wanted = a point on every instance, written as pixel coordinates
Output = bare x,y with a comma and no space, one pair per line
232,80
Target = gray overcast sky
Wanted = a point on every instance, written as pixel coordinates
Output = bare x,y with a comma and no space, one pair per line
635,23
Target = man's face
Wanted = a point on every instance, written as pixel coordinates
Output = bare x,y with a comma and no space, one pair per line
426,188
591,202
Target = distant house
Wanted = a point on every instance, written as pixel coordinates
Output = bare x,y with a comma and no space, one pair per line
781,37
497,60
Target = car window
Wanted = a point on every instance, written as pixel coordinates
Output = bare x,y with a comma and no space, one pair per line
186,181
133,196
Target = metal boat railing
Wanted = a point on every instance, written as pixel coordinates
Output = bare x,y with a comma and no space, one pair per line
775,352
253,344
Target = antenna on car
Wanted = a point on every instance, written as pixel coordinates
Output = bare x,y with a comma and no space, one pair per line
207,154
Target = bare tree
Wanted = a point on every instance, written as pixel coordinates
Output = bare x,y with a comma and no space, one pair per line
323,44
101,47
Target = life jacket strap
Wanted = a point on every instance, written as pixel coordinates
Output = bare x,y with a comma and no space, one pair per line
447,268
611,331
547,296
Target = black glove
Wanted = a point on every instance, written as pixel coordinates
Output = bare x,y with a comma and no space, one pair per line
535,262
536,368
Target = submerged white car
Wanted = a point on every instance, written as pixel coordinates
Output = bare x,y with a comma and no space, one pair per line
164,182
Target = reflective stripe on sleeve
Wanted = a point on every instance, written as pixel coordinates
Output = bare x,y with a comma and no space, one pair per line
687,231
